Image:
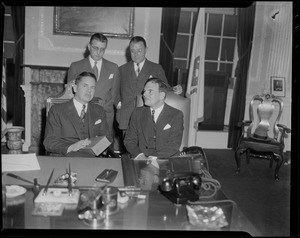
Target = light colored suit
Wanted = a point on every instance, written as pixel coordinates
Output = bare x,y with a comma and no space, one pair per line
169,131
131,86
63,126
107,87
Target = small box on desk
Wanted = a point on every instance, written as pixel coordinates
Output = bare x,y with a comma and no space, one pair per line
98,145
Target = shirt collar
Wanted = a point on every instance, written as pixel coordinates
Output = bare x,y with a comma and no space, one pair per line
92,62
79,105
140,65
157,111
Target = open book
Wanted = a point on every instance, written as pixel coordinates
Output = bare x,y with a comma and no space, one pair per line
98,145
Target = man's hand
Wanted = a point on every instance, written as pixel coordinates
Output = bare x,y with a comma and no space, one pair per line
79,145
177,89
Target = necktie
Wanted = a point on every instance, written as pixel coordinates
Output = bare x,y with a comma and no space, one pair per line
82,114
152,115
95,70
138,69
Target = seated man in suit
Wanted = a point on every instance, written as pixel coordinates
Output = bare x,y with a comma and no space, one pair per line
155,129
70,125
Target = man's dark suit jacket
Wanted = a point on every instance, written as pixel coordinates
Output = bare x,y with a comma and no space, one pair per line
63,126
107,87
169,131
130,87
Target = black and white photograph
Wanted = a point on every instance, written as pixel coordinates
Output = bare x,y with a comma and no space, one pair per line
176,120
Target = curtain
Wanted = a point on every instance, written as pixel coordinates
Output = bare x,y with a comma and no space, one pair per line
245,29
169,28
18,18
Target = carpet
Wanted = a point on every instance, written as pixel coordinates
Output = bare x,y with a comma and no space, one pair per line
262,199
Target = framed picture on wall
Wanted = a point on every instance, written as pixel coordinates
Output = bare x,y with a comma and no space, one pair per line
278,86
110,21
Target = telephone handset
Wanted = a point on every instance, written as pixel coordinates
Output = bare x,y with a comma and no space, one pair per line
181,187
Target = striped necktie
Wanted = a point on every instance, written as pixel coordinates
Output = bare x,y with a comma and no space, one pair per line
95,70
152,115
138,69
82,114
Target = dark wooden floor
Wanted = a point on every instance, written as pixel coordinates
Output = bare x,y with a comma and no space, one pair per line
264,201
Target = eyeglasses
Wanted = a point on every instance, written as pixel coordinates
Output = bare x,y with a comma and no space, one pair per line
139,51
95,48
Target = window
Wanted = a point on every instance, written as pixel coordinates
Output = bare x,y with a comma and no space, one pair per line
220,55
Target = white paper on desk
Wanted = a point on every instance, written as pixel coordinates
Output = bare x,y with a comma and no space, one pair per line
19,162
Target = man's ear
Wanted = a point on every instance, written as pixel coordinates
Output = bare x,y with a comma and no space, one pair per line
74,86
162,95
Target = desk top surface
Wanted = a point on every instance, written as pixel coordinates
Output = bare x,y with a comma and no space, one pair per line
155,212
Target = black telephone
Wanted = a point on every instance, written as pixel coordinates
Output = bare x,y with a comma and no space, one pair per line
181,187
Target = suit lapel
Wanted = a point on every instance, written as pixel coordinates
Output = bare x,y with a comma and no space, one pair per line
74,118
163,118
103,73
146,122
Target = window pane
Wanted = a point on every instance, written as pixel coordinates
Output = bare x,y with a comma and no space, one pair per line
226,68
212,48
181,46
230,25
211,66
214,24
184,22
227,49
179,64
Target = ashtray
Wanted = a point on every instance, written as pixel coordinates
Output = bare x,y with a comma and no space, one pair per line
93,218
206,218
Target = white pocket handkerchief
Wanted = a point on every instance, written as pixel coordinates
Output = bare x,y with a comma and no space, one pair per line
111,76
150,76
98,121
168,126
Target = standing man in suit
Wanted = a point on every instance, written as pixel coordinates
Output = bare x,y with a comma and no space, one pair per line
107,74
133,76
71,125
155,134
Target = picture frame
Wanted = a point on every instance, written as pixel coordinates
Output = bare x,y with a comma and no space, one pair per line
110,21
277,86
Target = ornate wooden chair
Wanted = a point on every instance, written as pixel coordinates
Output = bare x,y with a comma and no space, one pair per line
264,137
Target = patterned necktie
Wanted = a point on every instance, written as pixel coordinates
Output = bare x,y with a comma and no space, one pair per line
138,69
152,115
95,70
82,114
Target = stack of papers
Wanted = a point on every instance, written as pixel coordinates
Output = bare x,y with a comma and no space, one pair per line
19,162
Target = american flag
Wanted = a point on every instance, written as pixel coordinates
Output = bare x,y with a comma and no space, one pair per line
195,85
3,103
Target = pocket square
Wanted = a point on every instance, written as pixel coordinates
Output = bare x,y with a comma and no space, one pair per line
168,126
111,76
150,76
98,121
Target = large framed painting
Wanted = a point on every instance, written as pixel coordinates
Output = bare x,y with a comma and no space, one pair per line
110,21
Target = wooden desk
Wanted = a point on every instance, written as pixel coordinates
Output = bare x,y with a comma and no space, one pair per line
87,170
155,212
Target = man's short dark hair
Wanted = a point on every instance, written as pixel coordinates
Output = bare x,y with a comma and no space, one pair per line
100,37
137,39
84,74
162,86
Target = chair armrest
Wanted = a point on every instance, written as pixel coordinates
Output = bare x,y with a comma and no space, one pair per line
285,128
